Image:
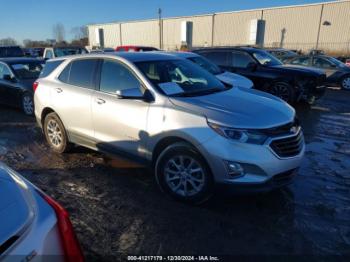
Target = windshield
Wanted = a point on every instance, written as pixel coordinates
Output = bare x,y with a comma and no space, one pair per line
265,58
69,51
206,64
27,70
337,62
180,78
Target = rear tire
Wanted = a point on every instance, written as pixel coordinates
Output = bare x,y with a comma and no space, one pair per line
182,173
284,91
55,134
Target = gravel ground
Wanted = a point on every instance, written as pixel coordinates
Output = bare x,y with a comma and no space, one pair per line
117,210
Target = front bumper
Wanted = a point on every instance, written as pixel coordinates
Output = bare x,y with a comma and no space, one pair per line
263,169
277,181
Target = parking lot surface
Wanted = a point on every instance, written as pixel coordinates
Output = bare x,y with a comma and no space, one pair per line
117,209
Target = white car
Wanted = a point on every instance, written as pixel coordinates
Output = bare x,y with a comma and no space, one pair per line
32,224
224,76
167,112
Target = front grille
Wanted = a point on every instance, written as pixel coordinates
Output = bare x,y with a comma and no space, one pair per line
288,147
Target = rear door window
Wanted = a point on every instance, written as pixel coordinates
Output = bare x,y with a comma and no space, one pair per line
221,58
80,73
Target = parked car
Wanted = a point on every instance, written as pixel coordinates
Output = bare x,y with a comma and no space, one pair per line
33,225
172,114
11,51
224,76
268,73
133,48
338,74
17,76
282,54
53,52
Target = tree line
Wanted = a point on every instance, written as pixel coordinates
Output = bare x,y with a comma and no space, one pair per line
80,38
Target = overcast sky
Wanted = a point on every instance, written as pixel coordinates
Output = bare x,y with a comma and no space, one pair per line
33,19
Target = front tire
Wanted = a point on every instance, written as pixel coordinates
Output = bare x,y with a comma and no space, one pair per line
284,91
55,134
28,104
345,83
183,173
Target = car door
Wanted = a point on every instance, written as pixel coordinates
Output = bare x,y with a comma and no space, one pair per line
8,89
119,124
322,63
72,97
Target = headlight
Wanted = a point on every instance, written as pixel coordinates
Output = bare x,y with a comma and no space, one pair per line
239,135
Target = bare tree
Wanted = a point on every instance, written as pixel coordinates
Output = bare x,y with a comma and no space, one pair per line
58,32
79,32
8,41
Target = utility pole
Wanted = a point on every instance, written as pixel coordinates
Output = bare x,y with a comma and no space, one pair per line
160,27
319,28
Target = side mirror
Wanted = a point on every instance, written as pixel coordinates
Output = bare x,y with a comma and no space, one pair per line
9,78
252,66
135,93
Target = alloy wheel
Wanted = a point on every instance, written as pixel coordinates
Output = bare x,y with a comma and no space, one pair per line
346,83
184,175
54,133
281,90
28,105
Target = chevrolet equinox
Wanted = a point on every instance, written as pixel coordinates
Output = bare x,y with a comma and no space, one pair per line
192,129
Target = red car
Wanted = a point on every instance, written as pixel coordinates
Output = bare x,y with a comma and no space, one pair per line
347,62
133,48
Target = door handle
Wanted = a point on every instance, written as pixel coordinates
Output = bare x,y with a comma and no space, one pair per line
100,101
59,90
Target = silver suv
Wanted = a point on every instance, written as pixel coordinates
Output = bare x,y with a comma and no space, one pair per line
165,110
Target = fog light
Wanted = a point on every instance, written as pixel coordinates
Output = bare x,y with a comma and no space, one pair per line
235,169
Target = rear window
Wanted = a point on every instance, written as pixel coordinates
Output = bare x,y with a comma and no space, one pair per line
49,67
80,73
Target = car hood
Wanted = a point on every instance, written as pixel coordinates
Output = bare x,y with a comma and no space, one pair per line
298,69
235,80
16,211
239,108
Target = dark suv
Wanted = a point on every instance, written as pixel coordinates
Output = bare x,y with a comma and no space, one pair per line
291,83
11,51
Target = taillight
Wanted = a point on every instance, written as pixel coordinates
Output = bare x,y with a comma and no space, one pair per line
35,86
69,240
